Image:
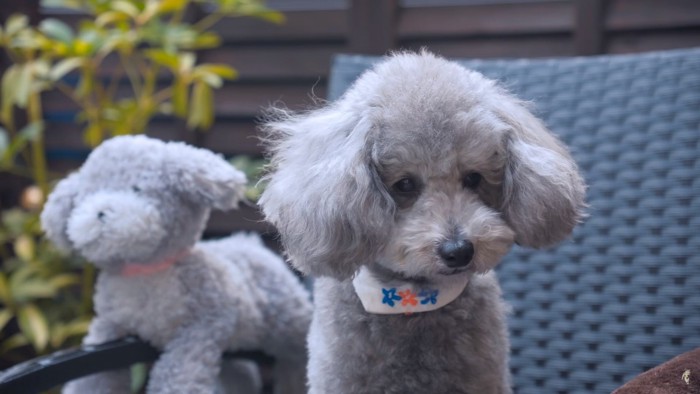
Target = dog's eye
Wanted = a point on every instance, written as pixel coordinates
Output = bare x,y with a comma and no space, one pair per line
406,185
471,180
136,189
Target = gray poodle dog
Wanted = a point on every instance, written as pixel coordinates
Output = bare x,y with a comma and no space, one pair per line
400,198
136,209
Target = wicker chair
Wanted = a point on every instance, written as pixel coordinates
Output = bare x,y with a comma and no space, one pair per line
621,296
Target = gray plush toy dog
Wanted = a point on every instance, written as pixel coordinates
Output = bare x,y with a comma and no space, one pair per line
401,197
136,209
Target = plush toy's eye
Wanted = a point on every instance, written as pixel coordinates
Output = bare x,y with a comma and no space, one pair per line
406,185
471,180
136,189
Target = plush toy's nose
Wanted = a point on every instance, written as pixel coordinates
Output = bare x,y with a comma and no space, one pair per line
456,253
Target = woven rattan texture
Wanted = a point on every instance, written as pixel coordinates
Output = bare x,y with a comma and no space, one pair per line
623,294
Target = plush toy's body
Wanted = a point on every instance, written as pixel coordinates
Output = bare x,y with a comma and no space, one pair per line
136,209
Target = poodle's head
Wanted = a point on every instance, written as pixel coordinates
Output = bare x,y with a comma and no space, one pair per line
139,200
424,167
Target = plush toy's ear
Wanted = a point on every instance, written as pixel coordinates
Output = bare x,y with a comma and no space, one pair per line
58,207
543,193
205,177
324,195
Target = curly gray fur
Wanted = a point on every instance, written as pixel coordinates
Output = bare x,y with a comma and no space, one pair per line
138,200
333,195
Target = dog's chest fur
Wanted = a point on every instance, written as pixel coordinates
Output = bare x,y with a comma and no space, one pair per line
460,348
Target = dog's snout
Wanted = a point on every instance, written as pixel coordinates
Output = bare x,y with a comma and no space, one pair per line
456,252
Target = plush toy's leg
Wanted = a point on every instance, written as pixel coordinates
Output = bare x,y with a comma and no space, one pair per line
239,377
190,362
290,376
112,382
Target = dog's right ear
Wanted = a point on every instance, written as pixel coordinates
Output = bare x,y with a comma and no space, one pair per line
324,194
58,207
543,191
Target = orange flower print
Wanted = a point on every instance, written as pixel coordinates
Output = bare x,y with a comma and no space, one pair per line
408,298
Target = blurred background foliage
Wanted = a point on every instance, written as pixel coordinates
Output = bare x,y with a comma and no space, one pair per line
148,46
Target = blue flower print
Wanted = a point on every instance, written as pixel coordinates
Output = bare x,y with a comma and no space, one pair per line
429,296
390,296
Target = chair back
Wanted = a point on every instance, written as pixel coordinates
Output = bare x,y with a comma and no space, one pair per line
623,294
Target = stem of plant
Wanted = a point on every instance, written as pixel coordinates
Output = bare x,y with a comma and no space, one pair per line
40,170
87,289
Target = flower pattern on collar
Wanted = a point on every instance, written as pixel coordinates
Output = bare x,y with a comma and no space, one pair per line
397,297
408,297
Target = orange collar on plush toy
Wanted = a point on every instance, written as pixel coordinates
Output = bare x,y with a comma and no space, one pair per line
136,269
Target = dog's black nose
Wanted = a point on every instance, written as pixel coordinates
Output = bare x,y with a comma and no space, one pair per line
456,252
101,215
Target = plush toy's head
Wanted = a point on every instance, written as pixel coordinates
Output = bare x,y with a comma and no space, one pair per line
139,200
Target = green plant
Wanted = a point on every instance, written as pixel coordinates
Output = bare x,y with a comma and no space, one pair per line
127,62
35,278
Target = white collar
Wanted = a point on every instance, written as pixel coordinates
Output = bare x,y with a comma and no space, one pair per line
406,297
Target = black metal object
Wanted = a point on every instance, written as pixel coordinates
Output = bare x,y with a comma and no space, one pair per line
43,373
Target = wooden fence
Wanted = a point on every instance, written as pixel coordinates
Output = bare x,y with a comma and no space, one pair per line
289,63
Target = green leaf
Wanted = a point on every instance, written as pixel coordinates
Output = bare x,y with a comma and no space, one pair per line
87,83
9,86
93,135
33,289
5,316
166,6
30,132
125,7
4,141
163,58
221,70
15,23
248,8
13,342
110,17
269,16
18,276
75,4
202,107
206,40
64,67
210,79
139,375
57,29
186,61
23,85
64,280
78,327
32,323
5,294
62,331
179,97
122,40
24,247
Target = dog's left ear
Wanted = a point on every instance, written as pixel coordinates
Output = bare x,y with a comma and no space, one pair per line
204,177
324,194
543,192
